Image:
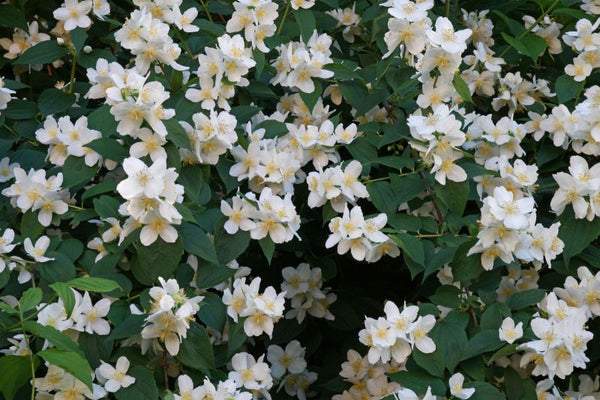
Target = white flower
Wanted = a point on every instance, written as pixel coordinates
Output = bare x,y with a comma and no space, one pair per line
447,38
38,251
456,387
74,14
291,359
116,377
89,318
508,332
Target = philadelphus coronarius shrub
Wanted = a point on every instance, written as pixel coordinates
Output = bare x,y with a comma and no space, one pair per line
299,199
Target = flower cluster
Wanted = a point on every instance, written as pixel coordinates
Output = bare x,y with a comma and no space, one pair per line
303,285
299,63
269,215
169,316
148,39
337,186
394,336
133,101
33,191
151,194
291,360
509,229
220,70
65,386
580,188
211,136
363,237
257,19
65,138
262,310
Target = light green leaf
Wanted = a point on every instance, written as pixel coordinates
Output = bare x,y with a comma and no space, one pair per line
92,284
462,88
31,298
70,361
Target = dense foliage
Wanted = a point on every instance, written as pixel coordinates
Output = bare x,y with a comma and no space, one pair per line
327,199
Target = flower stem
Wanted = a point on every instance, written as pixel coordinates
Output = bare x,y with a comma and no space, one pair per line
184,44
72,78
205,6
285,13
537,21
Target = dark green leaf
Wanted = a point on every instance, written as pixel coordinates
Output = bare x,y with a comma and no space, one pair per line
196,242
53,101
11,16
144,387
42,53
196,350
176,134
16,372
158,259
519,300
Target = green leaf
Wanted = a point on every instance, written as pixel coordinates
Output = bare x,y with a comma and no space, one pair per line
485,391
109,149
306,23
383,197
53,101
102,187
72,248
76,173
16,372
12,17
227,246
30,298
70,361
130,326
91,284
407,187
65,293
531,45
466,268
519,300
454,195
196,350
518,388
447,296
60,269
144,387
58,339
209,274
42,53
158,259
102,120
78,37
462,88
30,226
177,135
503,352
106,206
196,242
20,109
268,248
411,245
272,128
566,88
482,342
